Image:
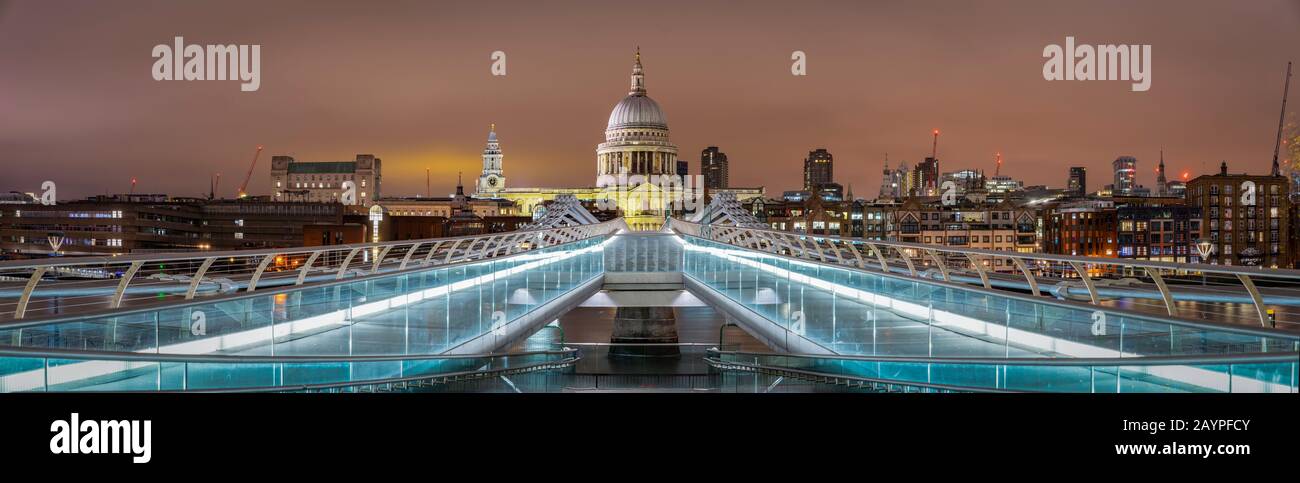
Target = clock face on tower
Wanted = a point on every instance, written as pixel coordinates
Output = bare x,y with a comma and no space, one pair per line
492,181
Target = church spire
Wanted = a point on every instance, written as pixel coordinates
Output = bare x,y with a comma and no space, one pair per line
1162,186
638,76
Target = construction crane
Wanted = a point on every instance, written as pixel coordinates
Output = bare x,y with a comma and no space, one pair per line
1286,89
243,188
213,185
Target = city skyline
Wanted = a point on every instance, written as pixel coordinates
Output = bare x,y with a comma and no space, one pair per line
429,97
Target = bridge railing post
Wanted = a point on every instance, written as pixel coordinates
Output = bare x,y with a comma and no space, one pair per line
122,284
28,289
198,277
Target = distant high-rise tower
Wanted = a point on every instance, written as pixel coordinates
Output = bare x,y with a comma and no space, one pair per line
906,179
492,180
1162,186
1125,176
818,169
925,178
683,169
713,165
1078,184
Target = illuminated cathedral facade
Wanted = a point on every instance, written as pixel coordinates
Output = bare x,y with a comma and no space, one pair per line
631,166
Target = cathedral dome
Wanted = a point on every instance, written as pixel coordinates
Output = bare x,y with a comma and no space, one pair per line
636,138
637,111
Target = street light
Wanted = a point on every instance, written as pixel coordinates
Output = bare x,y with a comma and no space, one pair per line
1204,247
376,216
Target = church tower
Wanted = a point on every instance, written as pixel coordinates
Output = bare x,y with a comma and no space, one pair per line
493,180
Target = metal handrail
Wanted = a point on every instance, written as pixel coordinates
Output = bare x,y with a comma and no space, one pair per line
641,344
74,354
1066,259
1248,358
813,375
566,362
191,256
1197,324
773,241
61,318
478,247
567,358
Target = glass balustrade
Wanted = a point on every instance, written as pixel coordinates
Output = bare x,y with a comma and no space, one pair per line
1253,374
417,312
151,372
855,312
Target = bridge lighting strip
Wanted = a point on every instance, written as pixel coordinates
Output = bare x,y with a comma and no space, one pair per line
1186,374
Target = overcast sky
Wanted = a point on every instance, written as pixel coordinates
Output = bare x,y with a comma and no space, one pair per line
410,83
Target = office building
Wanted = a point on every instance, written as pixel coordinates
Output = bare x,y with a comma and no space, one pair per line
326,181
713,166
1125,168
1246,218
818,169
1078,182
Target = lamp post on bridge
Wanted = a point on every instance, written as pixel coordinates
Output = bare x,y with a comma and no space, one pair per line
1204,247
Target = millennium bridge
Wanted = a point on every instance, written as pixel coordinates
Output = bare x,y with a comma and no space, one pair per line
800,313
